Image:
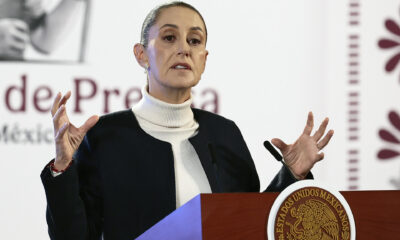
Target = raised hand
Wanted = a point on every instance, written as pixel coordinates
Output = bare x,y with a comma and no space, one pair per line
67,137
301,156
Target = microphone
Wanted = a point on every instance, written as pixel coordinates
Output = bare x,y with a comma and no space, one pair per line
277,156
273,151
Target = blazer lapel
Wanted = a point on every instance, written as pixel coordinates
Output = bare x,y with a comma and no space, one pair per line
201,146
203,149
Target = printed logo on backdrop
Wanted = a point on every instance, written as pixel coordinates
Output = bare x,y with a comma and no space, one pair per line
391,43
391,150
305,210
43,30
390,136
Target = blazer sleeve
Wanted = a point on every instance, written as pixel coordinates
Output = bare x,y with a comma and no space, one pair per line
74,199
283,179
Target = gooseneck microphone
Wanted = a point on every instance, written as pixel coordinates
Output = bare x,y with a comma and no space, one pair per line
273,151
277,156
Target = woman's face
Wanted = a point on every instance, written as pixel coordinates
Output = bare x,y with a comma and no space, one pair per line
176,50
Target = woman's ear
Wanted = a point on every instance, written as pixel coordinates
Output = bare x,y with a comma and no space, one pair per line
141,55
205,61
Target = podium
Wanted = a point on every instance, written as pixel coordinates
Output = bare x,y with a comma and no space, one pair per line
245,215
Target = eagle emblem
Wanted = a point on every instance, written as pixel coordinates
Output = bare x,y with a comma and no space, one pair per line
315,221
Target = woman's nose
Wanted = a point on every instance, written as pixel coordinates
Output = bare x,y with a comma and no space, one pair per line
183,48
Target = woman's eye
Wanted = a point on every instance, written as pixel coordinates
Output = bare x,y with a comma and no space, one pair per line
194,41
169,38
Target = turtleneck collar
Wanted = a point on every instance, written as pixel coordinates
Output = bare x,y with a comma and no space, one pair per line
164,114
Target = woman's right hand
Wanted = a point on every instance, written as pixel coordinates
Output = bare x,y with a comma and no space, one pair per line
67,137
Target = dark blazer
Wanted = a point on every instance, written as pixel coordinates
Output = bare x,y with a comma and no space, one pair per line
122,180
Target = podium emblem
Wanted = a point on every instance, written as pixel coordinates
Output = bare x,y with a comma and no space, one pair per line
308,211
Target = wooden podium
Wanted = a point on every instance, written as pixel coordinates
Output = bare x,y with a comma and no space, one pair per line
245,215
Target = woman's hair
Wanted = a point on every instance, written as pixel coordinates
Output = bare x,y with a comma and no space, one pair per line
153,15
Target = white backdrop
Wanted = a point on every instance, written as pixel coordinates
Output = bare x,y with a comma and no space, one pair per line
270,62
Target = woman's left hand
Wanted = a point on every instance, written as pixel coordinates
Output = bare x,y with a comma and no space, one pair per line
301,156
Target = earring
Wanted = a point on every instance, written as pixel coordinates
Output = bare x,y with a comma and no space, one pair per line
146,68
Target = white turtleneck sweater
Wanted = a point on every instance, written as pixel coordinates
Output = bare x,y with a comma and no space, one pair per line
175,123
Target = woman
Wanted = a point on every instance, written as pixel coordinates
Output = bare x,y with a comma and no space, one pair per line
136,166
